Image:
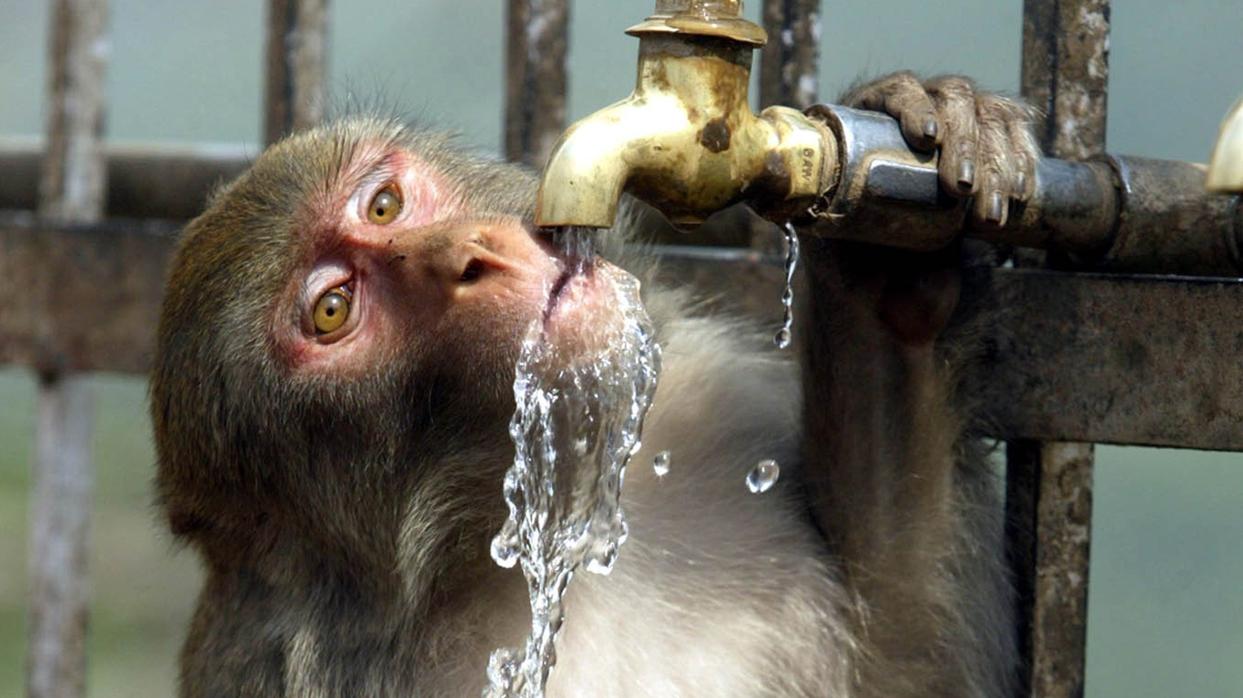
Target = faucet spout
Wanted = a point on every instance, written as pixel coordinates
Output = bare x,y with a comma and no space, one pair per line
686,140
597,157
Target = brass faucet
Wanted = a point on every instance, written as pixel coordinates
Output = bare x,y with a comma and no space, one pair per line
686,141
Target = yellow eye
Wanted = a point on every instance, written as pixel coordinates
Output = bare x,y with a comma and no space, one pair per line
331,310
384,206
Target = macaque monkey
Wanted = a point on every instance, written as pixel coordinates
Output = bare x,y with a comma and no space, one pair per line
330,395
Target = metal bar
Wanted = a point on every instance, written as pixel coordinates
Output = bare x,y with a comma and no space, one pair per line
71,190
1065,72
1116,359
1055,479
1072,357
790,61
297,48
536,43
143,181
83,275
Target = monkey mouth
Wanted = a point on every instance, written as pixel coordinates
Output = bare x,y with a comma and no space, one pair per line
557,290
574,280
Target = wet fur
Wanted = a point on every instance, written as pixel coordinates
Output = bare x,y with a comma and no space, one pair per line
347,556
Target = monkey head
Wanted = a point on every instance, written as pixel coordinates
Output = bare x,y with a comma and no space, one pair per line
340,325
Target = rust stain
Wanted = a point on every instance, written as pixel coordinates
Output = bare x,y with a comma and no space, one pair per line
715,135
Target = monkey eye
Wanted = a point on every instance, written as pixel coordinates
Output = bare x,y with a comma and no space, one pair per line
385,205
332,309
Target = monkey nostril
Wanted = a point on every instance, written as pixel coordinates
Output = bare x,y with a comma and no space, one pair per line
473,270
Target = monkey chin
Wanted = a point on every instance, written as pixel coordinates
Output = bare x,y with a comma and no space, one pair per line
583,318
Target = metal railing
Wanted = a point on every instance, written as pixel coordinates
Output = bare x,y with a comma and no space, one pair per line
1076,357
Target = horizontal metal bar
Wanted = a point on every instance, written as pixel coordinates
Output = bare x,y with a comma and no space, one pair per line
144,181
102,284
1116,359
1071,357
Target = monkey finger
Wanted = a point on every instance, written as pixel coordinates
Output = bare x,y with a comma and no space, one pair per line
999,164
992,202
1023,143
903,97
958,164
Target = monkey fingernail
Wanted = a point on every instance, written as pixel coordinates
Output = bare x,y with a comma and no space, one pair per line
930,129
966,174
996,208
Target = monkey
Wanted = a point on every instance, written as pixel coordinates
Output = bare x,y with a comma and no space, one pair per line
330,392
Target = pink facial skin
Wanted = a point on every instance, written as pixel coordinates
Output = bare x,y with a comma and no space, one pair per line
434,275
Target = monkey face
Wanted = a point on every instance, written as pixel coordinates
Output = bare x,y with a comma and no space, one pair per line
354,305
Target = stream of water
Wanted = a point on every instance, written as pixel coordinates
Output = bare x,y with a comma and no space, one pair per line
577,422
579,413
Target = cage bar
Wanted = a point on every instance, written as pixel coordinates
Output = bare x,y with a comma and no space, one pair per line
790,61
297,58
1065,72
536,44
71,191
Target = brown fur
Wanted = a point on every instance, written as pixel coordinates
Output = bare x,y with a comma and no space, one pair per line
344,520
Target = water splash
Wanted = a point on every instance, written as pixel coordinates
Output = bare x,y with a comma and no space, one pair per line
782,340
576,425
763,476
660,464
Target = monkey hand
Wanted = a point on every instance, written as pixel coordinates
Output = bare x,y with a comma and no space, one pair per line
987,148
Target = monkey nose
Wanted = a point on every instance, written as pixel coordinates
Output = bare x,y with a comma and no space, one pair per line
474,263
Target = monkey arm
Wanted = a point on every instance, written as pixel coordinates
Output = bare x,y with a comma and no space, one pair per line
903,499
880,438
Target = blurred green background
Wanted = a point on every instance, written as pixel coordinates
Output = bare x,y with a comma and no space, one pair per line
1166,605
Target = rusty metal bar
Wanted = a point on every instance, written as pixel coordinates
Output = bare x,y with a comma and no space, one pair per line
143,181
536,43
1119,359
297,49
1072,357
71,190
1055,480
790,61
99,293
1065,72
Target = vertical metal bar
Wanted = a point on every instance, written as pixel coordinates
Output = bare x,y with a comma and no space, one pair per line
1049,485
71,190
536,44
790,61
1049,526
297,59
1065,73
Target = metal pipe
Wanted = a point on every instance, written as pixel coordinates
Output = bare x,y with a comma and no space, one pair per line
1117,213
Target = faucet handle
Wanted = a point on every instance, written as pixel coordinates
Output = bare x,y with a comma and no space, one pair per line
703,8
716,18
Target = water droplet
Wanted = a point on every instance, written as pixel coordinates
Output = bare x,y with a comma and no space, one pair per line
782,340
602,561
505,549
660,464
763,476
